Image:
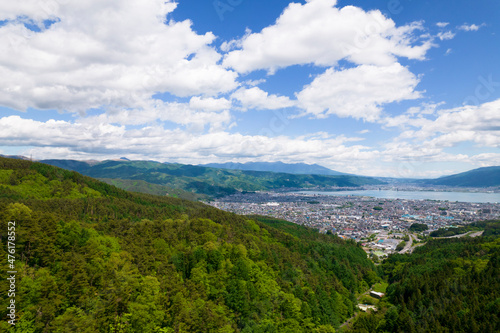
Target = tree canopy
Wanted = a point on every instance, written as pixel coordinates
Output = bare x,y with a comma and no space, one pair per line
93,258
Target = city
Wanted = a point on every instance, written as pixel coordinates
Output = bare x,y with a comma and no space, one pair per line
379,224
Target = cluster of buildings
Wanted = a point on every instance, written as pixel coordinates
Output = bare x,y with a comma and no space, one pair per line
381,224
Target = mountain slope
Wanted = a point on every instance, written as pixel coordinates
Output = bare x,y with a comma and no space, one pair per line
155,189
93,258
293,168
482,177
74,165
211,181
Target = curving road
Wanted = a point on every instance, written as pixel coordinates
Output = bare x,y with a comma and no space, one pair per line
408,245
409,248
470,234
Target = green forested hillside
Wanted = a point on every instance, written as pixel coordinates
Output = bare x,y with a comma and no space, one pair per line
295,168
155,189
481,177
209,181
447,285
93,258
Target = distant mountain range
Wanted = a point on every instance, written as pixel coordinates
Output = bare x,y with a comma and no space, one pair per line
17,157
482,177
293,168
212,180
74,165
207,181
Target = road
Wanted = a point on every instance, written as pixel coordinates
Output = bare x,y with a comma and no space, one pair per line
408,245
470,234
409,248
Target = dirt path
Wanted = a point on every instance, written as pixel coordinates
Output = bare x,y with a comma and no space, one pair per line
356,313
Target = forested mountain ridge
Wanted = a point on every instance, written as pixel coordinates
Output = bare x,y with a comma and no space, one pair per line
294,168
208,181
93,258
155,189
481,177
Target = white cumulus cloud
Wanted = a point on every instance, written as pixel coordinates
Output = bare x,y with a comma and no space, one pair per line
95,138
470,27
446,35
319,33
358,92
256,98
103,53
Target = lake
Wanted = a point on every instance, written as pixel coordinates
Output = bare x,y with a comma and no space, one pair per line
416,195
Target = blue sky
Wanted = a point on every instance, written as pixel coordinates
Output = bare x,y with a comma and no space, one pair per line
383,88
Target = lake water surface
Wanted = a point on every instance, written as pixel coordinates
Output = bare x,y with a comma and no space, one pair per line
416,195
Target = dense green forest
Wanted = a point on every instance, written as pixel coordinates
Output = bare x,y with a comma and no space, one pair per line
155,189
295,168
94,258
208,181
447,285
418,227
